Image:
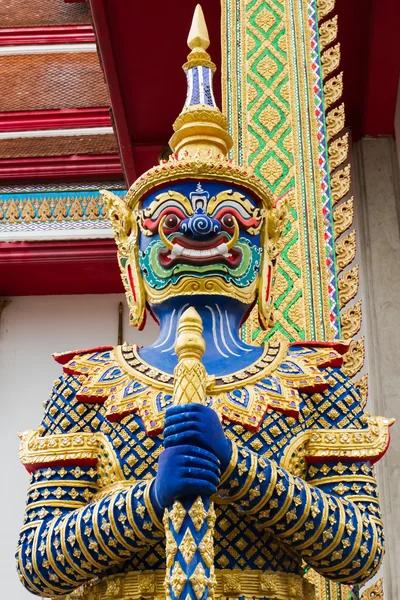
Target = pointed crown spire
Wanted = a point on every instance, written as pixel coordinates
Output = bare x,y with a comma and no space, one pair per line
201,130
198,35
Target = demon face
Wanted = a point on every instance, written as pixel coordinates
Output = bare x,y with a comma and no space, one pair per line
200,238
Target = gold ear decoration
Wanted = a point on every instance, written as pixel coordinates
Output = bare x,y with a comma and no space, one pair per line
126,233
265,284
271,241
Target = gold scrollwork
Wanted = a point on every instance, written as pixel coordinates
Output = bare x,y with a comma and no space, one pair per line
335,121
232,583
340,182
252,584
362,386
192,285
324,8
330,60
333,89
351,321
348,284
328,32
354,358
345,251
375,592
126,234
338,151
147,583
193,168
343,217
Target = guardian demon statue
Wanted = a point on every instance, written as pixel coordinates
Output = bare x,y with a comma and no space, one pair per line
200,466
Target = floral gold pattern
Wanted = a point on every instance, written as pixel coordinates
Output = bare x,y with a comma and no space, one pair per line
346,250
351,320
348,284
338,151
354,358
328,32
343,217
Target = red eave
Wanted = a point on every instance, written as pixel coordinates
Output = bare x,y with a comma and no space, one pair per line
90,167
370,60
67,118
59,267
61,34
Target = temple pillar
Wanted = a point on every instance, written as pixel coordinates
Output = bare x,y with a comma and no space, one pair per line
378,198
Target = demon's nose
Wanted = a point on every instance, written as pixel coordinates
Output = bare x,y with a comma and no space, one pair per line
200,225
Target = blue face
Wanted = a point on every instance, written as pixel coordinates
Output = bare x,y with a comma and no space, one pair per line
200,230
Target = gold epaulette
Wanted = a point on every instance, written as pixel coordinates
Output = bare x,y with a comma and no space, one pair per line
72,448
314,445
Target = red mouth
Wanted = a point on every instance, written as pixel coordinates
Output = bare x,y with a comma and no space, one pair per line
232,258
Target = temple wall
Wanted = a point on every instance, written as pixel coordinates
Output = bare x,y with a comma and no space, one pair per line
377,196
31,328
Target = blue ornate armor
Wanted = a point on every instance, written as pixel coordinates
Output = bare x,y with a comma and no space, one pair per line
300,483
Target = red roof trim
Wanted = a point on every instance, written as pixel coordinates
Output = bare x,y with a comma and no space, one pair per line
93,166
58,251
61,34
67,118
59,267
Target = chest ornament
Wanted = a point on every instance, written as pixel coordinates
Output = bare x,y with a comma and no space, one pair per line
124,383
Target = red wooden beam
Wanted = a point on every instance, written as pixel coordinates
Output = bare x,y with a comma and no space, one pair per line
100,166
67,118
60,34
107,58
59,267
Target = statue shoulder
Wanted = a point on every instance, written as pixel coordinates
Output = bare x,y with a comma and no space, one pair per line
68,432
65,357
338,402
335,424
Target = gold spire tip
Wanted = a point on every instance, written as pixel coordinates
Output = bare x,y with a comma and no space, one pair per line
198,34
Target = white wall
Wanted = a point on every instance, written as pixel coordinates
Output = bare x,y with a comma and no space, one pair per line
31,328
378,208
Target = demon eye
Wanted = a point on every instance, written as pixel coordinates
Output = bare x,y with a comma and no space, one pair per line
228,221
171,221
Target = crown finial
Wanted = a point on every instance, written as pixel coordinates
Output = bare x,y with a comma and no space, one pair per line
200,130
198,34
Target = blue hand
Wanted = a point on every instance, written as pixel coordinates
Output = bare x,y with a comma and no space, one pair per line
197,425
184,471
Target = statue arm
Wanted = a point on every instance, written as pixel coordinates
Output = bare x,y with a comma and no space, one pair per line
335,527
66,541
72,530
